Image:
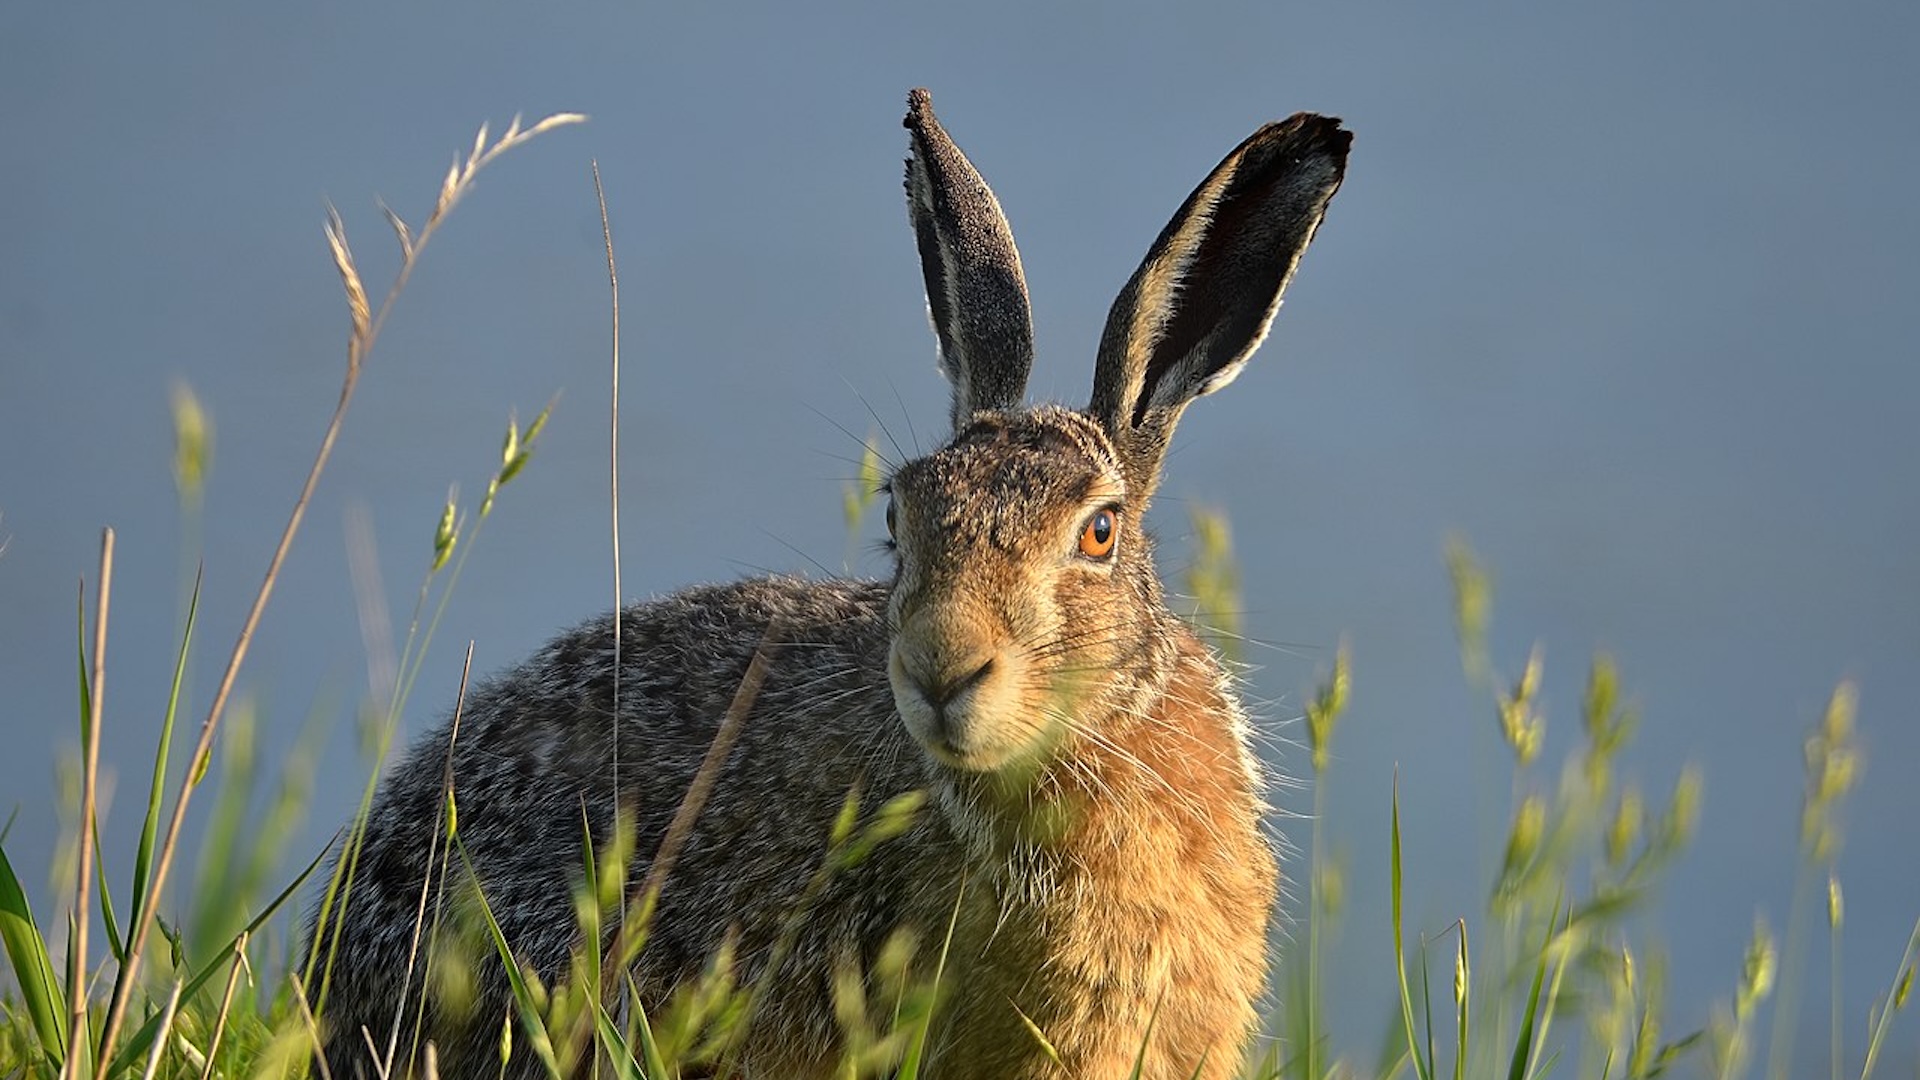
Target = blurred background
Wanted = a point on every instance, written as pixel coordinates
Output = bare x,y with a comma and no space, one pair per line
1619,293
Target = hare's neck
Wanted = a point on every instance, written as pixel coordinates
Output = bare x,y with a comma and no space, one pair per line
1138,862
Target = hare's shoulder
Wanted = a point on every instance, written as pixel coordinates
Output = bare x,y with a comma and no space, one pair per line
688,654
680,663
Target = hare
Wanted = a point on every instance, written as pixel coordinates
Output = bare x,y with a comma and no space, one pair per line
1088,864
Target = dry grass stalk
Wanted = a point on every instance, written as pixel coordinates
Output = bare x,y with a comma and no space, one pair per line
226,1006
77,980
695,800
366,330
306,1017
613,475
165,1032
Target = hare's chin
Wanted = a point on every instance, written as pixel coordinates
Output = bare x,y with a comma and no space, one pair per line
975,759
966,735
952,738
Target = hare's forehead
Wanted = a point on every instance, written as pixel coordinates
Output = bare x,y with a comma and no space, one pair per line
1044,457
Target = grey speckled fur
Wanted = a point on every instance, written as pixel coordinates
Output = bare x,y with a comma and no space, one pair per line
1092,791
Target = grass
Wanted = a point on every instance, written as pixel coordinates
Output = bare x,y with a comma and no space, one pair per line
1551,978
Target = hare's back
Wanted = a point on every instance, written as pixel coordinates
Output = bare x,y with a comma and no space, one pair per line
682,661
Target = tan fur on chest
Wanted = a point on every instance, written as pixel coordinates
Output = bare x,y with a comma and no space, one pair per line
1141,920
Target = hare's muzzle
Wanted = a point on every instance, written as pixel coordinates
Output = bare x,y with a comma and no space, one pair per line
955,699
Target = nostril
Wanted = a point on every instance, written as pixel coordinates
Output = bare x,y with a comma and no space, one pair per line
979,673
939,692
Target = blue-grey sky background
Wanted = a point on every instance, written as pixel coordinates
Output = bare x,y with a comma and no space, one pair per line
1622,293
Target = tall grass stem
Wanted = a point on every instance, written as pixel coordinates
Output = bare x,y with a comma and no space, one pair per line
77,1050
613,487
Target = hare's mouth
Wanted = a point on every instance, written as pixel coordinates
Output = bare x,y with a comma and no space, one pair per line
962,711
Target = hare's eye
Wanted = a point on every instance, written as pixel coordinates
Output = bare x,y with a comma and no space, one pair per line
890,532
1102,529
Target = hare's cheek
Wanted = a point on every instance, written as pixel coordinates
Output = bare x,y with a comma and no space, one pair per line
1087,617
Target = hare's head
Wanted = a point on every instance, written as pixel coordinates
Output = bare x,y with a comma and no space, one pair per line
1026,611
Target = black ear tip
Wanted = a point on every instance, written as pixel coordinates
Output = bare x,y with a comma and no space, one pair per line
1310,134
919,109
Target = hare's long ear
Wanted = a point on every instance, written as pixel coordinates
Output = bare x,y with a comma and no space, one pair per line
976,294
1202,300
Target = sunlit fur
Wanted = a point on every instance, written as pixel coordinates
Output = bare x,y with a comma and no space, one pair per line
1091,833
1098,776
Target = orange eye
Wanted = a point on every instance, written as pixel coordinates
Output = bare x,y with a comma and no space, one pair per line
1096,540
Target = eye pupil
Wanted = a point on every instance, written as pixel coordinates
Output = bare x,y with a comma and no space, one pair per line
1096,540
890,531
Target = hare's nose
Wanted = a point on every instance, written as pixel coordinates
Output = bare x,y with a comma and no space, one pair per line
942,687
940,692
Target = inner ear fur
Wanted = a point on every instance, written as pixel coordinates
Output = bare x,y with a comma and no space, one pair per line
1204,296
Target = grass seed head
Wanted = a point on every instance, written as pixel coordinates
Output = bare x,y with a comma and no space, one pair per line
1472,606
1757,975
1833,764
1624,833
192,443
1323,713
1522,725
446,534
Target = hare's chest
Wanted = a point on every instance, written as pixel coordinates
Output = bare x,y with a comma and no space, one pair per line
1101,963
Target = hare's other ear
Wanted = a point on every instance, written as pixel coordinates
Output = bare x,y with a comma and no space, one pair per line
976,294
1202,300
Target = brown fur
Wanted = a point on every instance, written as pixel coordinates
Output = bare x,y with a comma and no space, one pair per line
1092,829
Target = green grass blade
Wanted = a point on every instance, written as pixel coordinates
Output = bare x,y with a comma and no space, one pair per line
1523,1045
218,874
114,941
1464,993
1549,1006
523,1000
137,1044
1422,1069
1392,1052
156,794
32,967
143,856
624,1067
590,909
86,690
643,1032
1835,1026
1426,1001
1669,1053
1901,974
1139,1059
910,1061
